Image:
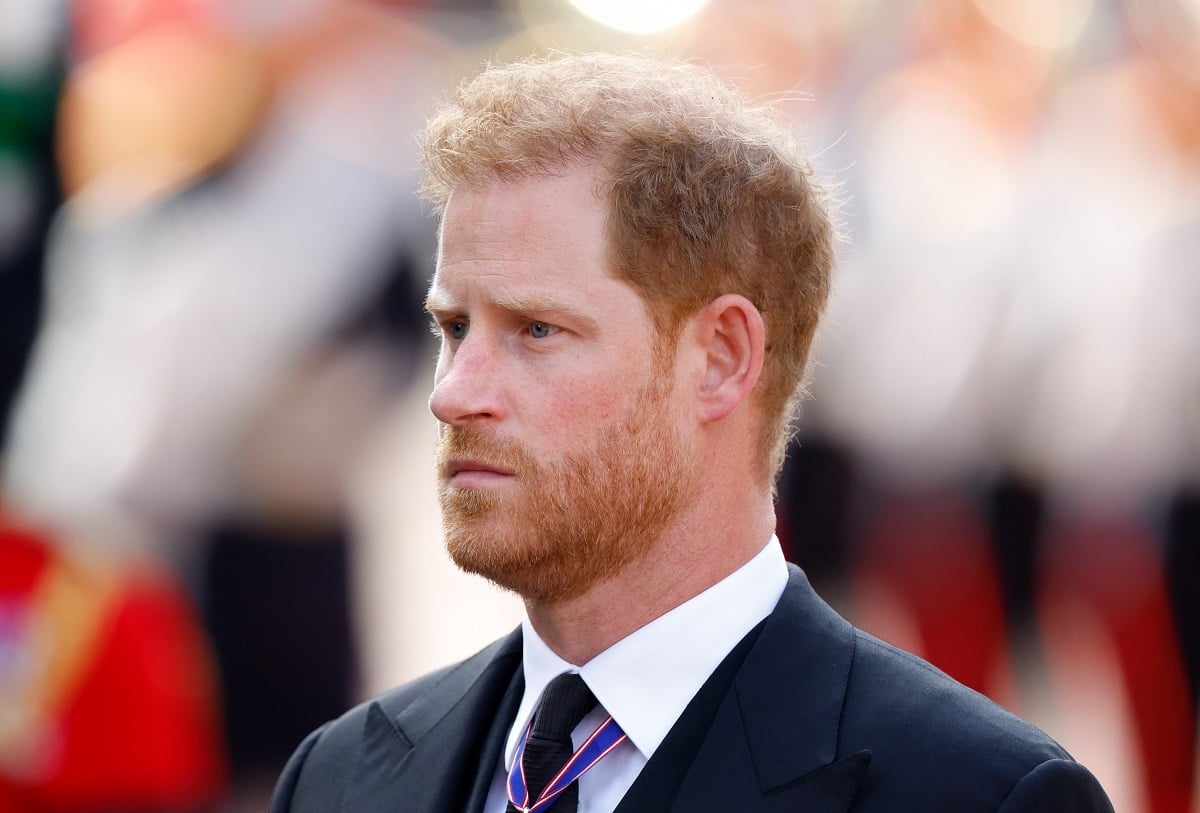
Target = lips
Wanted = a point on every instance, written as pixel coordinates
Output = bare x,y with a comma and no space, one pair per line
457,467
468,471
472,459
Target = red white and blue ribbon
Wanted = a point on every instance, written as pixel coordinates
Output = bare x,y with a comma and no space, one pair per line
597,746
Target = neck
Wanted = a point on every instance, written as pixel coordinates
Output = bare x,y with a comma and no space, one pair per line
697,551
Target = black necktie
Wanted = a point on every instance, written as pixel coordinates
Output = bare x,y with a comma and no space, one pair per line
564,703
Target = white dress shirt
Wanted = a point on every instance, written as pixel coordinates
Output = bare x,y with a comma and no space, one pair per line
646,679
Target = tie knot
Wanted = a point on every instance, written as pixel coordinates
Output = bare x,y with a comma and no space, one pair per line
564,703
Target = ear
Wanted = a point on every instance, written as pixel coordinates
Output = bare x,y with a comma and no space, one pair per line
731,334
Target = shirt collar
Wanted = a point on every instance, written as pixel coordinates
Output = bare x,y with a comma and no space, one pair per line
646,679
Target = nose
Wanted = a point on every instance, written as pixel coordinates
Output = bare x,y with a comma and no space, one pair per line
467,387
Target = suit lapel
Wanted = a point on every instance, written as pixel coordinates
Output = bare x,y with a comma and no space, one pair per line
425,757
494,745
773,742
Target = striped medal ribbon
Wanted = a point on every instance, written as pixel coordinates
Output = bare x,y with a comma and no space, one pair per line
600,744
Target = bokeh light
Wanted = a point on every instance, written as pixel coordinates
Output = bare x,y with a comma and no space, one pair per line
1053,25
639,16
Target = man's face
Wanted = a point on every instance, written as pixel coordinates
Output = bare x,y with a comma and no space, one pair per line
562,455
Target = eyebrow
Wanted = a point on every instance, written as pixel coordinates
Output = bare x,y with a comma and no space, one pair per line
536,303
434,303
515,303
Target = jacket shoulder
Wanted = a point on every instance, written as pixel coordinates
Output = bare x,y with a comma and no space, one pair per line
317,774
929,734
923,701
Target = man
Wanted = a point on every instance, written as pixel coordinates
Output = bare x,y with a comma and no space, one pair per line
631,268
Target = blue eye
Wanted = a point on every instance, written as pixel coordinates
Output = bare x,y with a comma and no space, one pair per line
540,330
457,330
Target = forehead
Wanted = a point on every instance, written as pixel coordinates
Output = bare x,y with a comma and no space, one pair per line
544,233
570,195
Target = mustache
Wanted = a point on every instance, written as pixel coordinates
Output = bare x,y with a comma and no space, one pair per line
458,443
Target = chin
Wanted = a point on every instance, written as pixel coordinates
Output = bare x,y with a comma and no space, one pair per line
547,574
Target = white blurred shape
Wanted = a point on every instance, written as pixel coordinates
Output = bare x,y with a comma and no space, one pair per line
165,328
1101,349
940,171
639,16
903,381
29,33
1053,25
911,323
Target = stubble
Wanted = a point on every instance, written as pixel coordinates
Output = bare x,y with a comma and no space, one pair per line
569,524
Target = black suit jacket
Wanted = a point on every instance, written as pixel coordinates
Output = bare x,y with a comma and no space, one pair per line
812,716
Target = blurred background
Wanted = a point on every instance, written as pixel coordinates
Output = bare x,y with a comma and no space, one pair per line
217,519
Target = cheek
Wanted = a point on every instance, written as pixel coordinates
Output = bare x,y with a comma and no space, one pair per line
573,399
578,409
